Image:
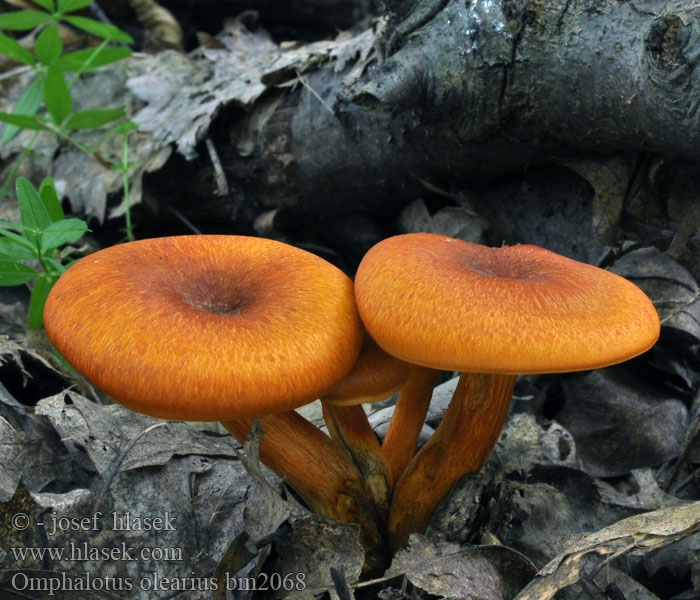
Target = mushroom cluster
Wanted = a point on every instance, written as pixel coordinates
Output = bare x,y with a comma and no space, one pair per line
230,328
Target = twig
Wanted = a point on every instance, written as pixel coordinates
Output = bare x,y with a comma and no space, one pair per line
683,305
185,220
219,175
340,583
15,71
97,13
307,85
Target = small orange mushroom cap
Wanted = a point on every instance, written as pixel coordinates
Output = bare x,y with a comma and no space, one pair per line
206,327
375,376
449,304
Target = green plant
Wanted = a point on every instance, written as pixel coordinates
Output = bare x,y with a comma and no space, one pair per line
38,238
124,129
51,86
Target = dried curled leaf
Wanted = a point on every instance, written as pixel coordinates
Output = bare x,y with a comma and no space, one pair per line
454,221
637,535
120,470
184,94
106,431
609,179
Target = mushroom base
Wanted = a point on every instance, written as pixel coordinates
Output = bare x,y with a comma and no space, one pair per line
349,427
325,479
461,445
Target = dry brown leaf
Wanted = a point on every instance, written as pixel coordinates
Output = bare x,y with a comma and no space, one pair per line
671,287
609,414
199,495
609,180
587,553
106,431
452,571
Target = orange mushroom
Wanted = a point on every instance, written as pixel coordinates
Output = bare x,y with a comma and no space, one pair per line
407,421
207,328
375,376
490,313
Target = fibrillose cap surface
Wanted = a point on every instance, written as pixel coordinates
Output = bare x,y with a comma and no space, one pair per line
375,376
449,304
206,327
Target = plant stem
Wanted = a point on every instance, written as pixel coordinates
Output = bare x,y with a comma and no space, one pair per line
87,63
129,229
18,162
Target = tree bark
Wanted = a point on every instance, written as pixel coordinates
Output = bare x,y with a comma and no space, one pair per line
466,92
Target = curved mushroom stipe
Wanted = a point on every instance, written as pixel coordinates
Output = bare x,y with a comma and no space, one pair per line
350,429
460,445
303,455
407,421
375,376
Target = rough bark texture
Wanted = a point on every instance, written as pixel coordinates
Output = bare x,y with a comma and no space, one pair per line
466,92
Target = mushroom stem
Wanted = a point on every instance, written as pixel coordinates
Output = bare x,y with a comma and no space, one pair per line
409,415
461,445
349,427
316,468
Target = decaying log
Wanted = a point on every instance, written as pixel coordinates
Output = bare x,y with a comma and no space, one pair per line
467,91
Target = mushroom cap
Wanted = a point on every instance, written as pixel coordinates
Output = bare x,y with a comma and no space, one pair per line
449,304
375,376
206,327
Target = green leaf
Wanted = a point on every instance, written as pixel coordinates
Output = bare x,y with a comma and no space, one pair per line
19,226
75,61
107,32
15,50
15,273
47,191
20,240
11,249
23,121
36,303
91,119
49,5
56,95
71,5
23,19
31,207
28,103
62,232
48,45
